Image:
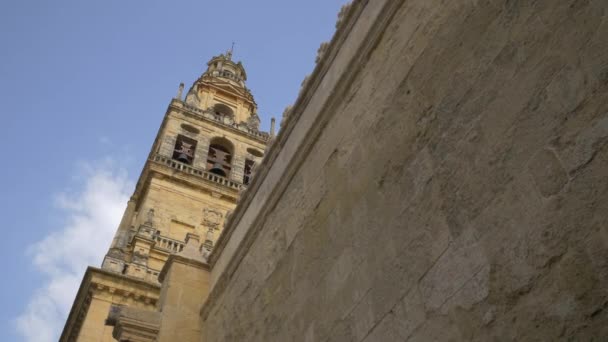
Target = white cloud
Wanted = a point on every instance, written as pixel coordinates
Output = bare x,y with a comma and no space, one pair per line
91,216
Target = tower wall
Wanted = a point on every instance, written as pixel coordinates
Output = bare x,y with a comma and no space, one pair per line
192,179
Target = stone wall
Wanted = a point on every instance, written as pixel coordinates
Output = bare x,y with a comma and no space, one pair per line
457,189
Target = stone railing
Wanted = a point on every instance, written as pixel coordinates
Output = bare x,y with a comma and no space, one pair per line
212,177
171,245
227,122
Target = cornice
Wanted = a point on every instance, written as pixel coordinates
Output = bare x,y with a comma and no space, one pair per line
182,108
176,258
216,83
141,296
89,285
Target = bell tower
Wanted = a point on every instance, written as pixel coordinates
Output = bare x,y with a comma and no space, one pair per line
203,157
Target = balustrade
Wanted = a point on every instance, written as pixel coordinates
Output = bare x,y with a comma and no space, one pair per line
166,243
193,171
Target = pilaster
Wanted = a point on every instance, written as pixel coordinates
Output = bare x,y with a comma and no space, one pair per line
200,154
185,286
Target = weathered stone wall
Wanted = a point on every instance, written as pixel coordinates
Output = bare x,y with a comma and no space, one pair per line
185,282
459,190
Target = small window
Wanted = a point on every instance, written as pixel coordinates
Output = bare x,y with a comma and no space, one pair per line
190,128
254,152
222,110
184,149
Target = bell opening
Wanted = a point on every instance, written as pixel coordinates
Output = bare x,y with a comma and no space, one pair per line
184,149
218,171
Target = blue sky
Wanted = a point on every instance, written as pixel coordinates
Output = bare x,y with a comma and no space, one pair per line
83,88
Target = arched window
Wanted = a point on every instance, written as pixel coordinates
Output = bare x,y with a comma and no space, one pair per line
222,110
184,149
219,158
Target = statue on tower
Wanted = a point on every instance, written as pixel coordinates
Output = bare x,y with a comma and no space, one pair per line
253,122
229,52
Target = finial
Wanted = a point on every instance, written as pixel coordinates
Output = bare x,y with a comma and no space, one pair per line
180,90
229,52
272,124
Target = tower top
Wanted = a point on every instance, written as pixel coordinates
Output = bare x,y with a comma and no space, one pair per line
223,66
221,90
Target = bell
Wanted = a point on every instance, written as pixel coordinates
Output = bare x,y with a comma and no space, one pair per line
218,170
184,158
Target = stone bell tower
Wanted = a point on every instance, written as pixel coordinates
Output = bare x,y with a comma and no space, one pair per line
203,157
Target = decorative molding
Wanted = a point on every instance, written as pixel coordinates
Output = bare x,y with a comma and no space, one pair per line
91,284
212,217
134,325
201,114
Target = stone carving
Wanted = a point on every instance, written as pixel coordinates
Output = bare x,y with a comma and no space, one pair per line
228,120
150,218
211,217
192,98
209,115
321,51
342,14
253,122
243,127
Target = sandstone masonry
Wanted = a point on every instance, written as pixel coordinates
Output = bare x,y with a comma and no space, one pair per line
443,176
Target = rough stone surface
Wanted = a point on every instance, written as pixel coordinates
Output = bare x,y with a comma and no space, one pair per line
459,192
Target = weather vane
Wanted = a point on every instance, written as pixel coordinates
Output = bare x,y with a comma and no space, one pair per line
229,53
